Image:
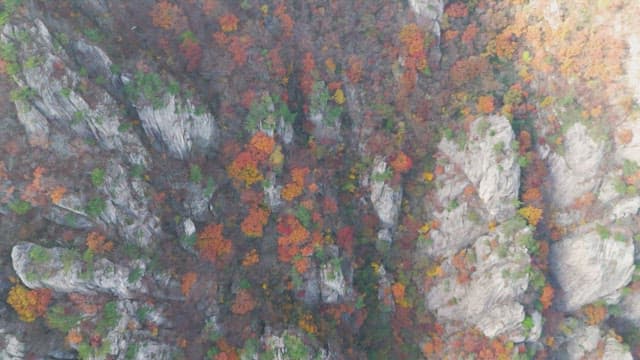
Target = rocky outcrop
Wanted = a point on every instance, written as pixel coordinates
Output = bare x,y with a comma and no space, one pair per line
490,163
586,342
127,206
64,270
489,299
386,199
606,264
575,171
49,85
177,127
486,165
12,349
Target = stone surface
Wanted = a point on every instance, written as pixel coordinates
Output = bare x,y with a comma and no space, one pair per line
575,172
178,128
489,300
64,271
605,265
385,198
490,164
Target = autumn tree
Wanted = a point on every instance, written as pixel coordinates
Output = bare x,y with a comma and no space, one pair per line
29,304
212,245
168,16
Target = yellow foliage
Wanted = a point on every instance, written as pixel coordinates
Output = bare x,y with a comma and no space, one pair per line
338,97
532,214
427,176
29,304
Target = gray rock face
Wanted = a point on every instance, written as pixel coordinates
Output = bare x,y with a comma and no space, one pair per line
178,128
633,65
386,200
333,287
62,270
13,349
490,164
584,343
35,125
127,208
54,90
589,268
575,172
489,300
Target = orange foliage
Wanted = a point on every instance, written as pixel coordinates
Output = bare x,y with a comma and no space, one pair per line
301,264
73,337
354,72
457,10
243,303
188,280
505,45
253,224
432,348
29,304
595,313
625,136
485,104
261,146
412,38
33,192
401,163
251,258
470,33
211,243
168,16
546,298
532,195
96,243
525,142
244,168
57,194
465,70
306,323
228,23
294,189
293,238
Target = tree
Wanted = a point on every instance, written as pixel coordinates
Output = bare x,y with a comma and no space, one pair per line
168,16
29,304
212,245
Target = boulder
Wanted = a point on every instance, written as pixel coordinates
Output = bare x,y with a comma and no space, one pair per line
490,298
385,198
63,270
490,163
589,268
575,171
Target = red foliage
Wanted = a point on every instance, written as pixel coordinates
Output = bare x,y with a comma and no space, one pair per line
470,33
212,245
192,51
293,240
456,10
468,69
277,65
238,46
345,239
354,72
286,22
401,163
243,303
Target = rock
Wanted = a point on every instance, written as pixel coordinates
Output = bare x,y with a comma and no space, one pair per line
633,71
489,300
455,231
69,212
575,172
324,115
490,163
630,306
35,125
197,201
625,208
177,127
386,200
51,87
605,265
615,350
583,341
98,64
127,206
429,10
13,349
332,283
154,350
63,270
